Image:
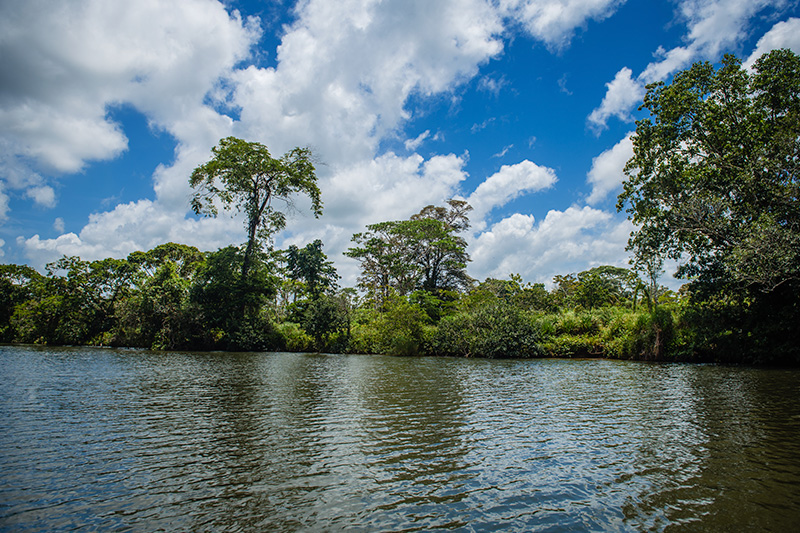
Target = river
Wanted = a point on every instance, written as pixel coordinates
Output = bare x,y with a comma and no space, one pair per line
126,440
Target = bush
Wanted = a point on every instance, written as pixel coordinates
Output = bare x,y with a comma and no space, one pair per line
293,338
498,330
401,328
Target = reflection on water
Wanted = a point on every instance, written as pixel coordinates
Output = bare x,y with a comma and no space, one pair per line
113,439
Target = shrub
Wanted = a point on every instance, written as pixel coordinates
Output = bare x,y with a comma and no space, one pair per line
498,330
293,338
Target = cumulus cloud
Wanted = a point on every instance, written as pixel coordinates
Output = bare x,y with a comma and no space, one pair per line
555,21
345,72
622,93
510,182
343,76
712,26
569,240
784,34
341,84
65,65
133,226
606,174
45,196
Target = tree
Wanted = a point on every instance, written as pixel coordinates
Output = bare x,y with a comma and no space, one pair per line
310,266
424,252
187,259
383,254
75,303
714,175
17,286
244,175
231,304
438,251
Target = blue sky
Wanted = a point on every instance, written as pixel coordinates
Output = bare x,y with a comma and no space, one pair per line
522,107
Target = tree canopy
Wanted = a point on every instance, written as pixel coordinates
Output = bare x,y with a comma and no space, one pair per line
245,176
714,175
424,252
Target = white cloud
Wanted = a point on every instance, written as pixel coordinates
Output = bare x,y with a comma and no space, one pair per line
58,224
606,174
784,34
344,74
45,196
390,187
713,26
492,85
133,226
413,144
346,71
565,241
555,21
3,203
504,151
621,95
74,62
510,182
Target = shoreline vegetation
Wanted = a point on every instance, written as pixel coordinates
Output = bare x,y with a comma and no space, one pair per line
713,183
176,298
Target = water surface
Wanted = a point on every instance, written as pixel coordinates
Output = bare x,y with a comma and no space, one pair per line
98,439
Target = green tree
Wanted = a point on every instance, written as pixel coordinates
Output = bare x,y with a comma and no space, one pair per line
244,175
75,303
158,313
714,175
714,181
424,252
17,285
186,259
439,252
310,266
383,254
324,317
232,305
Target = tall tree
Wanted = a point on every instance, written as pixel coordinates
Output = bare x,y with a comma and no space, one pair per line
424,252
439,252
714,175
382,253
244,175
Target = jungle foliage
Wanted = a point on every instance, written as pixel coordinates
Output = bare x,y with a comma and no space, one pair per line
713,183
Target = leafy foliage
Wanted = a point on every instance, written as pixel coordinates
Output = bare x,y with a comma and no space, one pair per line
310,267
244,175
714,181
714,175
424,252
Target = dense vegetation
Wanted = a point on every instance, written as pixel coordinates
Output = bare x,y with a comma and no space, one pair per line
713,181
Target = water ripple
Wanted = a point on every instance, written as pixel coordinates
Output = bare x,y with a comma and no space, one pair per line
106,439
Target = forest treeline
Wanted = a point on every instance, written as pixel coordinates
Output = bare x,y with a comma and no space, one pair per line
713,182
175,297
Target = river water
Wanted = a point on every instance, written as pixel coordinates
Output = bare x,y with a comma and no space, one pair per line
119,440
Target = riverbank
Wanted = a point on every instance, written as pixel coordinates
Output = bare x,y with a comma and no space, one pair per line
671,333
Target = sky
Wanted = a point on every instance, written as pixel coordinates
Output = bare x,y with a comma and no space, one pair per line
524,108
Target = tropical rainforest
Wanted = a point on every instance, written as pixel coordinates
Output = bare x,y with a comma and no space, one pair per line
713,183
